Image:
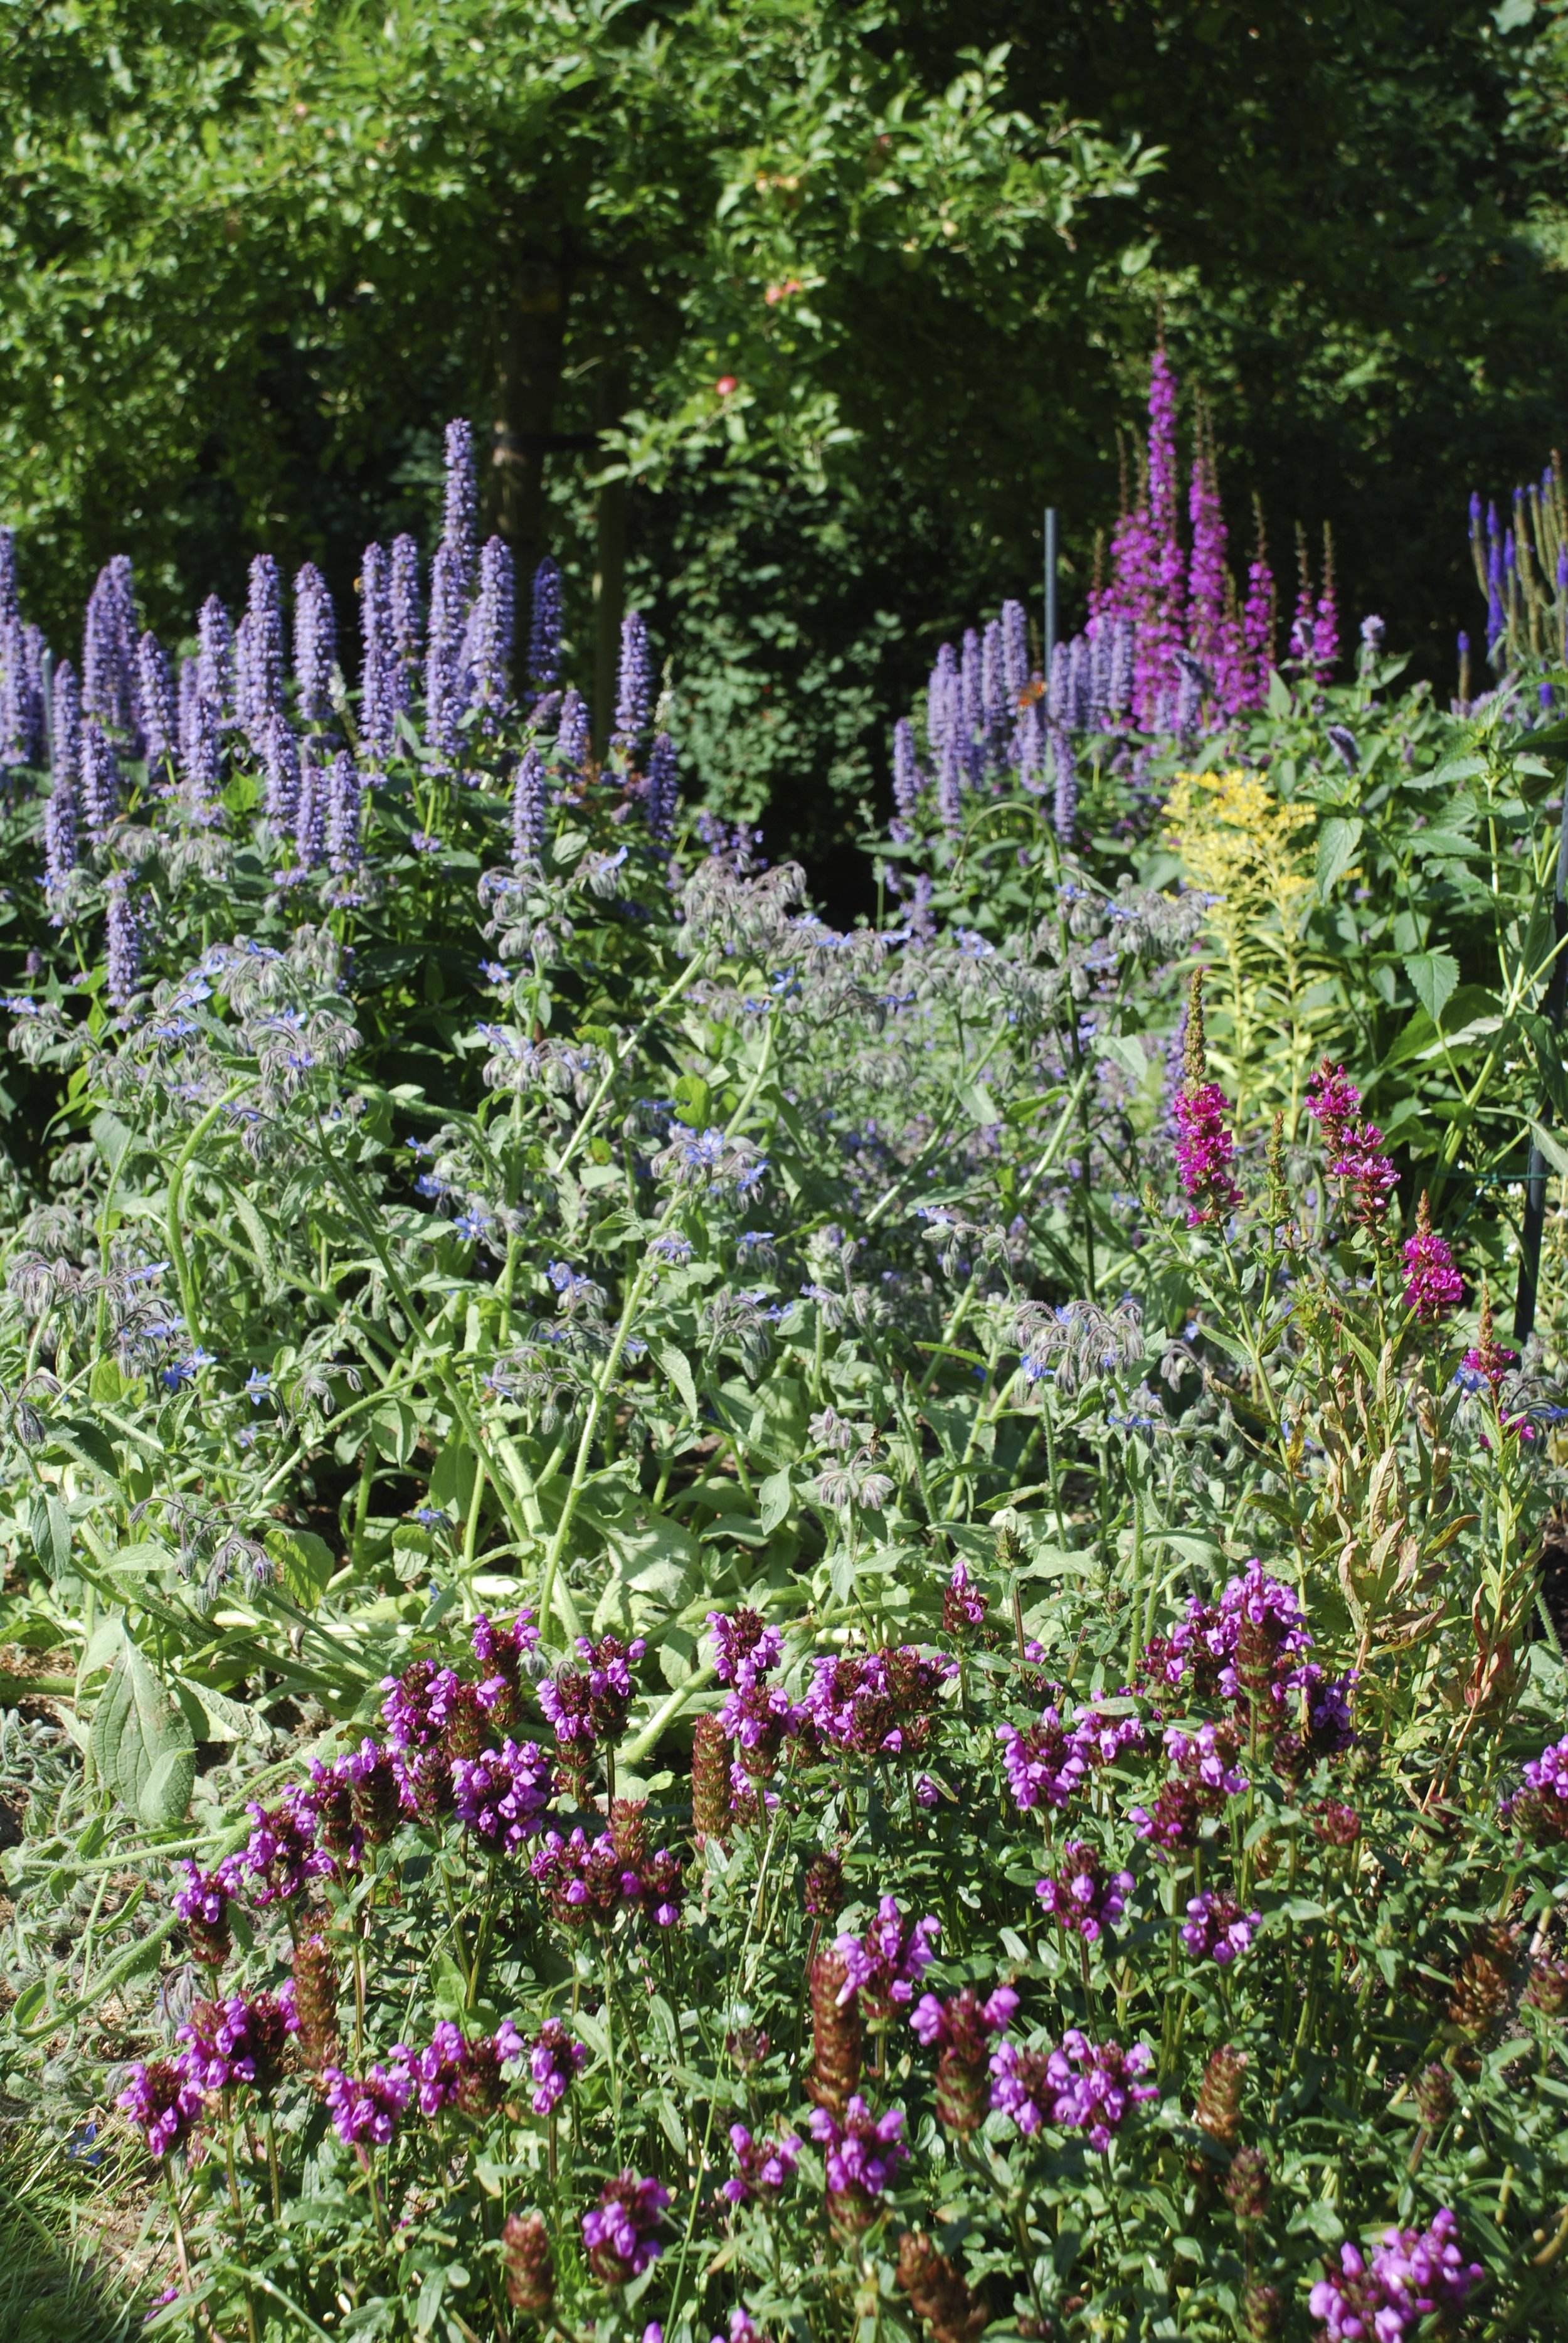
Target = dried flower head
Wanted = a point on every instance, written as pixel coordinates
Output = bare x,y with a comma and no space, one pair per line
940,2295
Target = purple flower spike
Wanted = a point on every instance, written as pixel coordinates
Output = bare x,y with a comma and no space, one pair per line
761,2165
886,1964
555,2062
315,644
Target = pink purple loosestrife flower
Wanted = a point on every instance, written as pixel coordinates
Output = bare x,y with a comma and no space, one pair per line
365,2108
1217,1929
164,2102
555,2061
620,2232
886,1964
1085,1900
761,2165
1433,1285
1413,2275
1083,2086
1205,1149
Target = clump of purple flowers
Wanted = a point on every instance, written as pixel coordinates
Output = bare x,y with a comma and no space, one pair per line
761,2165
886,1964
1433,1285
1085,1900
555,2061
1083,2086
1047,1763
863,2153
745,1648
1217,1929
589,1704
281,1854
1205,1149
164,2102
621,2231
1413,2275
879,1703
1540,1807
503,1795
365,2108
235,2041
452,2071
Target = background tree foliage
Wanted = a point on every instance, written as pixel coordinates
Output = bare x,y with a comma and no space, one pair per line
254,253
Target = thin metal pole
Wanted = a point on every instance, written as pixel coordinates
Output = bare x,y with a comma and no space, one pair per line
1535,1177
1050,587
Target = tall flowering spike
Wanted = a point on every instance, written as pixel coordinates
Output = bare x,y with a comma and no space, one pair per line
1259,621
460,504
405,603
62,810
490,635
10,607
282,767
972,706
663,789
545,628
155,703
528,807
573,734
1206,574
100,779
835,2033
310,814
200,759
258,679
445,675
383,679
907,775
634,687
951,780
215,658
123,941
315,644
1432,1284
1064,803
943,709
1488,1360
528,2263
1205,1149
995,702
109,648
1162,613
1326,617
345,850
20,709
312,2002
711,1792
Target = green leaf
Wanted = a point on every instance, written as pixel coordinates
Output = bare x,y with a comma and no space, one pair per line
141,1744
773,1499
86,1443
1126,1051
1278,694
678,1367
1552,1149
1435,975
1337,842
50,1525
305,1564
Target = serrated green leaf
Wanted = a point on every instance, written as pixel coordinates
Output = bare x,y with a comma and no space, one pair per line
1434,976
677,1367
773,1499
305,1564
1337,842
141,1743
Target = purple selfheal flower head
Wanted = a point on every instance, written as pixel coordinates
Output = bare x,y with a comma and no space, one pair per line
501,1651
445,677
545,628
878,1704
1432,1284
1085,1900
503,1794
886,1964
573,734
758,1716
634,687
555,2062
1541,1808
460,506
155,703
762,2167
310,812
1217,1929
589,1704
454,2071
862,2153
490,630
258,660
365,2108
745,1648
620,2232
235,2041
960,2030
1084,2085
100,779
963,1603
109,650
282,1856
281,764
663,789
162,2101
1205,1149
1043,1765
529,801
1413,2276
122,941
344,815
434,1719
202,1903
315,644
215,658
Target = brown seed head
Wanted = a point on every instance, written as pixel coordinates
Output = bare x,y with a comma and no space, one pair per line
1219,2108
526,2258
939,2292
1432,2091
835,2035
1247,2185
710,1781
315,2002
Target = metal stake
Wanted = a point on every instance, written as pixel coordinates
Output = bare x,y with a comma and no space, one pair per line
1050,588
